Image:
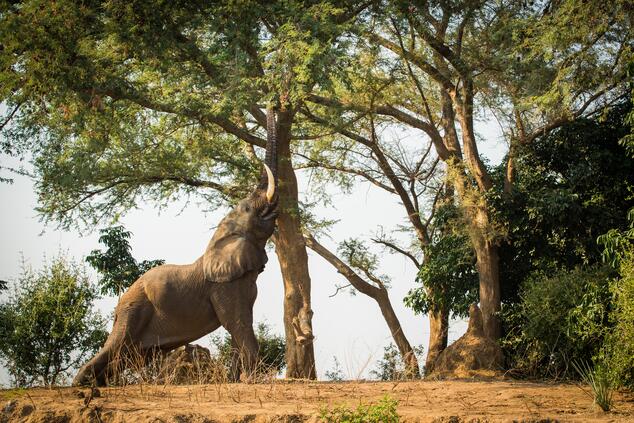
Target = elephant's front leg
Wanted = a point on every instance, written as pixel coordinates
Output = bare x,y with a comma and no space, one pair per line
246,345
233,303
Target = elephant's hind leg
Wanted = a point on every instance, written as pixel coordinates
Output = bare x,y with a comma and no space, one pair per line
122,348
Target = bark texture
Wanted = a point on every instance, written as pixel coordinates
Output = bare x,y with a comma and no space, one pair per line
438,333
293,259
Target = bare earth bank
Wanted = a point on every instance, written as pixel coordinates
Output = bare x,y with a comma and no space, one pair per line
420,401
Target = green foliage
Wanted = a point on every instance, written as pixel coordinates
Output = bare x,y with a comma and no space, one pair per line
4,285
336,373
118,268
47,326
562,317
572,186
382,412
358,256
122,102
391,366
599,381
271,353
619,348
617,244
448,276
620,343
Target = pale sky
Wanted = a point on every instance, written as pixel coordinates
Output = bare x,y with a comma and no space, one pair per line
348,327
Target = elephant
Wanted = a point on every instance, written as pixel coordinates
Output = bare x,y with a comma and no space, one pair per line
172,305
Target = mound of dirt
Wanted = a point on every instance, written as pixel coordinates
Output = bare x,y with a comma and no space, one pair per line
188,364
472,355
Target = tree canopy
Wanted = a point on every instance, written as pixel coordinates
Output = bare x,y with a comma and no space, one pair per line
118,268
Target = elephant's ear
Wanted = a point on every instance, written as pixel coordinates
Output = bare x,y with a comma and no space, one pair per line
231,257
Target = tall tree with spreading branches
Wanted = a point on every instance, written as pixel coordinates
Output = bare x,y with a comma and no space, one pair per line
123,102
534,66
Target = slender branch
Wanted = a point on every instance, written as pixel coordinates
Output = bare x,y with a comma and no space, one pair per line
314,163
8,119
398,250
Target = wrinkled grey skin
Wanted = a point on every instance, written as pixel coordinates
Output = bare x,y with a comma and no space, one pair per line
171,305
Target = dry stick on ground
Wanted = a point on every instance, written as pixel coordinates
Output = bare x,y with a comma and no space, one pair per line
380,295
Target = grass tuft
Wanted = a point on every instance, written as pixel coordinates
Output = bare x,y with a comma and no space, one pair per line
599,381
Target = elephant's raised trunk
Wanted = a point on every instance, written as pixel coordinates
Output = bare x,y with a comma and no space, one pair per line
269,177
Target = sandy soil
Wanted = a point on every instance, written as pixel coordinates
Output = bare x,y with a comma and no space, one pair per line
419,401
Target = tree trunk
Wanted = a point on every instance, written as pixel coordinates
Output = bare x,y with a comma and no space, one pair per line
438,333
293,259
490,296
404,347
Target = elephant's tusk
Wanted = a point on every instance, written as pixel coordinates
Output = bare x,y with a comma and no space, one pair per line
270,189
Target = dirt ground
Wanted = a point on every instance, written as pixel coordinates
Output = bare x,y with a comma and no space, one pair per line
418,401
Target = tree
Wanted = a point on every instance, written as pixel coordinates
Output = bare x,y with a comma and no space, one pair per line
360,150
48,326
360,259
116,264
448,278
121,102
535,66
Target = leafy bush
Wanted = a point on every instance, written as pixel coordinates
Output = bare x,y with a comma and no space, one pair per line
336,373
448,277
620,343
47,326
382,412
618,352
270,354
561,318
391,366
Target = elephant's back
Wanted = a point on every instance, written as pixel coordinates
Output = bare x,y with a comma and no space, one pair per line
174,288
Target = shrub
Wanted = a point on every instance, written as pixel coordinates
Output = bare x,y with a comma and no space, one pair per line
47,326
336,373
561,318
391,366
620,343
270,354
382,412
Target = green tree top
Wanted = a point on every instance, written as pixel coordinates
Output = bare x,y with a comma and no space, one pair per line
120,102
118,268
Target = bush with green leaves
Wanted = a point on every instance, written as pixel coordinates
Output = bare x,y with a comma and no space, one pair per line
48,326
562,317
391,367
270,355
335,374
118,268
619,347
448,277
620,343
382,412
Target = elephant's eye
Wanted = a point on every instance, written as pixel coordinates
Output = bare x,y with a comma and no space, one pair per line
247,209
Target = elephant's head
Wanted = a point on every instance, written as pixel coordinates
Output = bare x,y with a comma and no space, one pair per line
237,246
